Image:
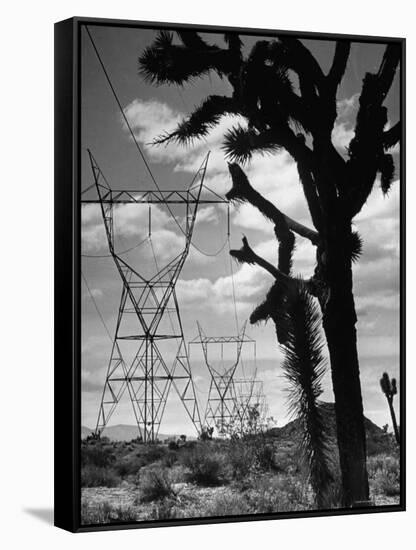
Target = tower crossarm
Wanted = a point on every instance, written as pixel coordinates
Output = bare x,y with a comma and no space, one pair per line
152,197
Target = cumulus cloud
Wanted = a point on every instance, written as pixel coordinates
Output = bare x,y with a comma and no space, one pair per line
207,215
343,131
250,285
130,221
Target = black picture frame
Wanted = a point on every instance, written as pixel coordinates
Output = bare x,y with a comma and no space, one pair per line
68,279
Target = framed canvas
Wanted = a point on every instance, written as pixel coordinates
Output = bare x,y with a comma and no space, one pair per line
229,252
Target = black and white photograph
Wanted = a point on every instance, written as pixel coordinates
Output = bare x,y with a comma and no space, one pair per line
240,274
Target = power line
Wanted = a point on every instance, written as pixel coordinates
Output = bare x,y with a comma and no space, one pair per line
211,254
120,107
118,253
233,287
107,76
96,307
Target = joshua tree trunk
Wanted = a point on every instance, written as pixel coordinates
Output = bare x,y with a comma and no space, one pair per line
394,421
339,319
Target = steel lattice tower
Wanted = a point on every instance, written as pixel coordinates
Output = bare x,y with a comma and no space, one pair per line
222,407
145,302
249,393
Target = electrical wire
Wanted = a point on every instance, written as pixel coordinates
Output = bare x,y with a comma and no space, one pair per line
139,149
118,253
107,76
96,307
233,287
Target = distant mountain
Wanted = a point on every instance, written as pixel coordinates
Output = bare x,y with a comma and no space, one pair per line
125,432
288,435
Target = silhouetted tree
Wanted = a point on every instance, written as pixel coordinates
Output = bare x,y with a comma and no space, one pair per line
389,388
279,116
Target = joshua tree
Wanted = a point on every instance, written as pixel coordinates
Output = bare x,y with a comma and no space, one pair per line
299,120
389,388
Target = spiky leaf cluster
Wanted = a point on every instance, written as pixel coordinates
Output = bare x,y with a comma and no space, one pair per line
167,63
304,366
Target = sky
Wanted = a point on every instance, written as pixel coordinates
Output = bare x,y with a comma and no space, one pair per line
205,286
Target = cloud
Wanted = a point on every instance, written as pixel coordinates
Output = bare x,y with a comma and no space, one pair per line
150,119
96,292
207,215
250,285
343,131
131,223
90,382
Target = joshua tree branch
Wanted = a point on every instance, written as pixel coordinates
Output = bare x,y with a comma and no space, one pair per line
303,62
366,149
296,147
247,255
243,191
286,240
192,39
311,195
339,64
392,136
387,70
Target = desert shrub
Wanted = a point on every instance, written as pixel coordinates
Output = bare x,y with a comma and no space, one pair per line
333,498
152,453
374,464
241,458
189,445
226,505
278,494
178,473
105,513
384,473
97,453
154,484
129,465
380,442
169,459
265,455
173,446
285,463
164,509
206,464
97,476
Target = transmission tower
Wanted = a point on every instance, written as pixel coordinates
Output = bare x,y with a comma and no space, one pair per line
222,406
249,393
139,361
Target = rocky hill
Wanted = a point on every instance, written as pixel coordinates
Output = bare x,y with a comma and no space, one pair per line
378,441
